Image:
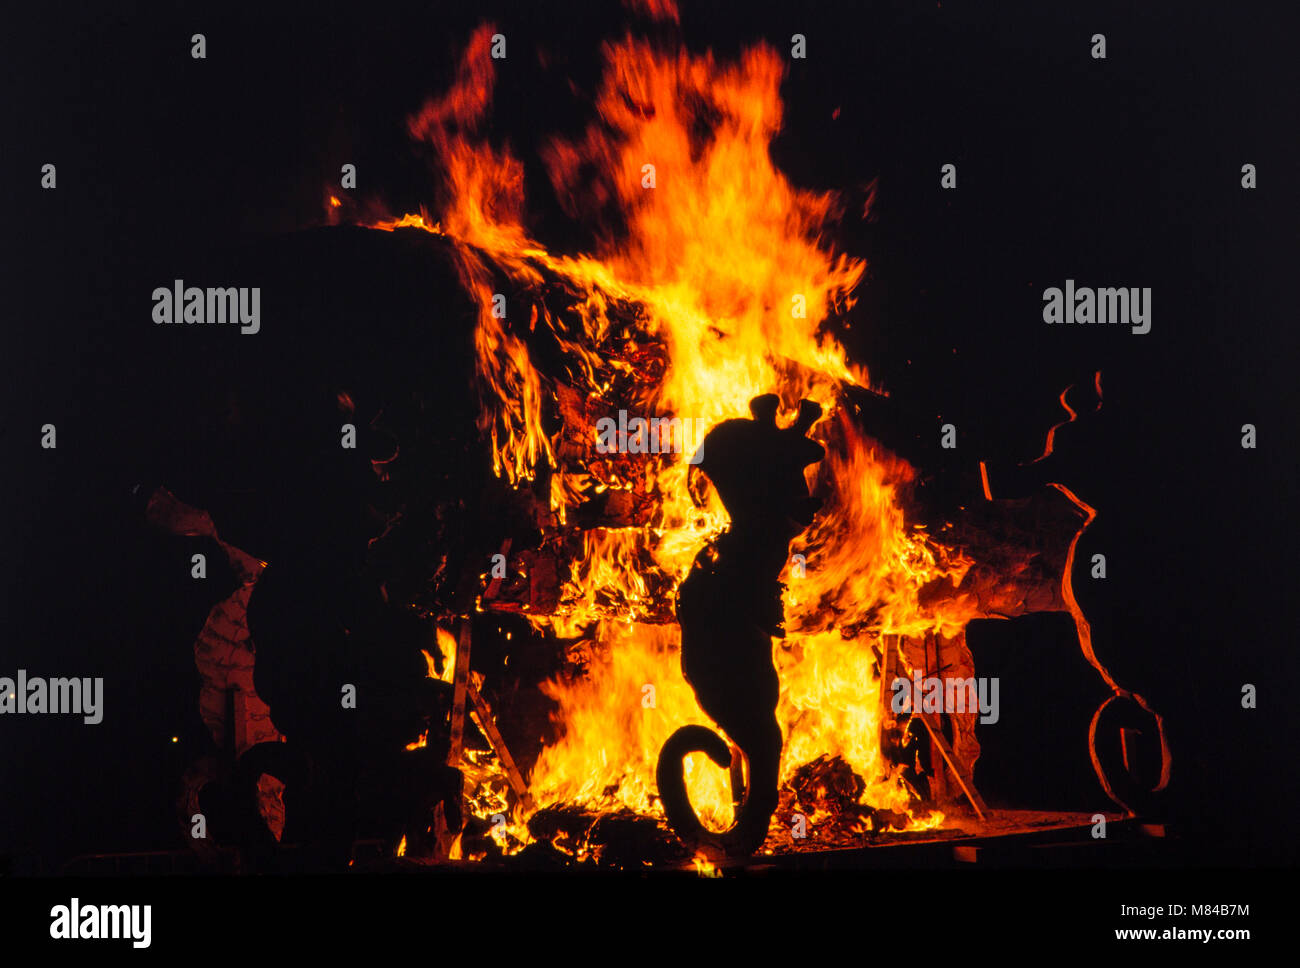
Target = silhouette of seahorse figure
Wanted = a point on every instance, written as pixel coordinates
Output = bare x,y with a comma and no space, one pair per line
729,608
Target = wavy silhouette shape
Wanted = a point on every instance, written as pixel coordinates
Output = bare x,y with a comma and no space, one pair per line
729,608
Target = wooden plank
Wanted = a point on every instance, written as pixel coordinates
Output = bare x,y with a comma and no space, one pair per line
888,672
459,684
966,784
488,724
935,730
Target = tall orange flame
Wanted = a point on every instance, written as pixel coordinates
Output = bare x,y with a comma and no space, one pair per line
728,272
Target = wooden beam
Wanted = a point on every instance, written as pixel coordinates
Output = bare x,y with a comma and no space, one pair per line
967,785
893,645
459,684
488,724
888,672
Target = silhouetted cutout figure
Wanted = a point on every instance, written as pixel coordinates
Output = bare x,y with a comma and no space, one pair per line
729,608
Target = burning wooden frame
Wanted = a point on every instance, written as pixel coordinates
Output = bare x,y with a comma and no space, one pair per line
719,289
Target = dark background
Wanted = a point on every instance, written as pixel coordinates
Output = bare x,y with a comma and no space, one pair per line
1122,172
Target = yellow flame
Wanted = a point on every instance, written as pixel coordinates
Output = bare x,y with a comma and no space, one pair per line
727,270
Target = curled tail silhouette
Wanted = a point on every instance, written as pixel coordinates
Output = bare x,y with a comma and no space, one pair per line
746,835
727,659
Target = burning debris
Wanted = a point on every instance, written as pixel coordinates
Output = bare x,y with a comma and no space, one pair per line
718,289
712,294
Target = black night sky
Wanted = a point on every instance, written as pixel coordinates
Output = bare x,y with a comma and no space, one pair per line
1122,172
